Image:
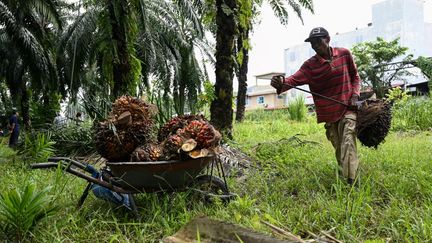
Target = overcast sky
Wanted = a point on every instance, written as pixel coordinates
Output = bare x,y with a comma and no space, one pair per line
270,38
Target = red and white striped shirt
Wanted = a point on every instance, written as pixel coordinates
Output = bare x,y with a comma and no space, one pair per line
336,78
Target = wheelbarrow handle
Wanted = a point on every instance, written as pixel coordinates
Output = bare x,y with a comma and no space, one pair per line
74,162
43,165
81,175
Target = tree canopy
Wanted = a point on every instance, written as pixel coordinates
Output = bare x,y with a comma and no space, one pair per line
372,59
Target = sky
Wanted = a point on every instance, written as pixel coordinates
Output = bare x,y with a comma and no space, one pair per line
270,38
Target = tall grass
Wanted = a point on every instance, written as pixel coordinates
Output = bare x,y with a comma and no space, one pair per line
297,109
291,184
413,114
264,114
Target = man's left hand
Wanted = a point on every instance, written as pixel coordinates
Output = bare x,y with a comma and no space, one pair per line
353,102
354,99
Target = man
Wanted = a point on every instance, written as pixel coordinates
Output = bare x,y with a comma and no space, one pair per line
59,120
332,73
13,129
78,119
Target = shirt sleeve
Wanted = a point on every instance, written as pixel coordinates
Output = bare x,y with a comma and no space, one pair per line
302,76
355,78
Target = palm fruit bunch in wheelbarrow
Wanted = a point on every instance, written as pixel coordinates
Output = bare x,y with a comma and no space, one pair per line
373,122
130,124
190,136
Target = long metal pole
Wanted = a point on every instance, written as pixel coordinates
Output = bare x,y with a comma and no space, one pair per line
310,92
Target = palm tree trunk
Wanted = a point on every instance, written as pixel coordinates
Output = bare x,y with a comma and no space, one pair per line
221,107
242,73
118,10
25,106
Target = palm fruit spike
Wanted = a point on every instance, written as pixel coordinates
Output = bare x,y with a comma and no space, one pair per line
373,122
172,145
138,108
176,123
112,144
192,129
208,137
148,152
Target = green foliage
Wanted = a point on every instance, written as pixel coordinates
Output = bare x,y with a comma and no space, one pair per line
371,59
266,115
21,210
206,97
96,107
38,147
297,109
73,139
425,65
412,114
280,8
290,183
164,104
41,113
397,95
6,154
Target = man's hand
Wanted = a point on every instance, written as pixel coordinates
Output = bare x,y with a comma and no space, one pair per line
354,99
353,102
277,82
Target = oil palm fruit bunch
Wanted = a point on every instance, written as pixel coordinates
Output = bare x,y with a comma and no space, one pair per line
171,146
373,122
202,132
138,108
176,123
129,125
147,152
187,134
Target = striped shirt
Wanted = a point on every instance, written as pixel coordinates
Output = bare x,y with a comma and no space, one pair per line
336,78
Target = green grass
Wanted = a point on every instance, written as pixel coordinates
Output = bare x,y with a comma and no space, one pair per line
292,186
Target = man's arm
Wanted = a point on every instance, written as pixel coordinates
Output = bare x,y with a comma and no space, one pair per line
298,78
355,78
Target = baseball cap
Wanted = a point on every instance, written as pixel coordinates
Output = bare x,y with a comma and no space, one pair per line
317,32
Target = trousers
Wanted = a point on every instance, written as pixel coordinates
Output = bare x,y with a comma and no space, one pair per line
342,134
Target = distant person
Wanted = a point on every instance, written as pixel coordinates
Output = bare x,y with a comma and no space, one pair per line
78,119
59,120
332,73
14,129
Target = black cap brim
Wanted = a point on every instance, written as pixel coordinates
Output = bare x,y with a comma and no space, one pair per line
315,36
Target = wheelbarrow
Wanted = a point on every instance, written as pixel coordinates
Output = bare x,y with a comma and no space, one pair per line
118,181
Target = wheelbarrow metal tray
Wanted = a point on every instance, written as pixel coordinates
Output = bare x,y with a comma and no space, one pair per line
157,175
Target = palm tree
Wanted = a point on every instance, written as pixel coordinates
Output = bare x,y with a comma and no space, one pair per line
248,12
26,27
221,107
161,46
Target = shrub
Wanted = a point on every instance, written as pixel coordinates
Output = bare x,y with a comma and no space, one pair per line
297,109
266,115
20,211
37,147
413,113
73,139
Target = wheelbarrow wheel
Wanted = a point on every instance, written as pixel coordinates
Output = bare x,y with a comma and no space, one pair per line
211,187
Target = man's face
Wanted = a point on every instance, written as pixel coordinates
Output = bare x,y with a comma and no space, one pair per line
320,45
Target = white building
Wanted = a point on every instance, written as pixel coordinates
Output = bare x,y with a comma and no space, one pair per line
390,19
